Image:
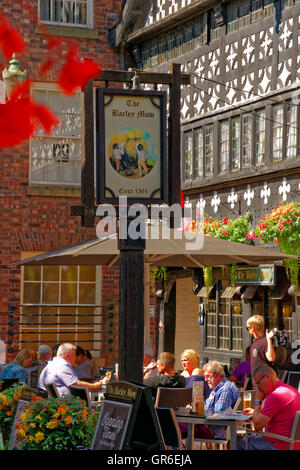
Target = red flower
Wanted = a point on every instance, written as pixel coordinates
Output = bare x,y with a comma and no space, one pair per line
10,40
77,72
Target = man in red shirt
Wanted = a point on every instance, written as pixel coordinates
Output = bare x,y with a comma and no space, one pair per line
276,414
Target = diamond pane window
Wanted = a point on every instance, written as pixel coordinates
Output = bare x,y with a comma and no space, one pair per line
56,158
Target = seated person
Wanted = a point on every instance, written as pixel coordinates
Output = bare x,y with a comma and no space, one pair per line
85,367
150,367
242,370
44,355
276,404
166,374
190,361
60,372
224,394
17,368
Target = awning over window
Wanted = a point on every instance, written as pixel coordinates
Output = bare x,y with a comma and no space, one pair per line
203,291
249,292
229,292
294,291
278,292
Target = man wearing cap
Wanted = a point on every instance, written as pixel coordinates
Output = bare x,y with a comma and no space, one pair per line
150,366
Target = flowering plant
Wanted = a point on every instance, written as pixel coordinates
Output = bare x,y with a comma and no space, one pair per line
282,226
9,399
236,230
56,424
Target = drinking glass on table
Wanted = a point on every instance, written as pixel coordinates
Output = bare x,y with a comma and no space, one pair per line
247,400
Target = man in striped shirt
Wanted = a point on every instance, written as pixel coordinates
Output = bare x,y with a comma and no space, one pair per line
224,393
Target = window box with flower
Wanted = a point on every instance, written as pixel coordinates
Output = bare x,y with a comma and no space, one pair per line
282,227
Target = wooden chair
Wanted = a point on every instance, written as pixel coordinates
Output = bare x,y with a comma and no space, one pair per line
52,390
166,400
293,379
169,428
294,437
173,397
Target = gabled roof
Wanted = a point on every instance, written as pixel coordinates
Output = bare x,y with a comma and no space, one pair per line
131,23
132,16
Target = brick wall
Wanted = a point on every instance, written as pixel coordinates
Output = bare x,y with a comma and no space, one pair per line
42,223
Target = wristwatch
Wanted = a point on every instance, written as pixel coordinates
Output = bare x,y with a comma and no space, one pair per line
257,402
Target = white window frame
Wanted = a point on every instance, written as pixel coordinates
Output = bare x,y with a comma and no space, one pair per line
89,14
48,87
224,145
188,155
247,123
208,140
291,130
198,152
278,131
260,136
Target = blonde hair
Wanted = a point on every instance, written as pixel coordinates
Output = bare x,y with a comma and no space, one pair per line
23,356
193,356
215,366
257,321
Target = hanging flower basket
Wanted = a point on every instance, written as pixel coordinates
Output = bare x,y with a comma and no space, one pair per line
282,227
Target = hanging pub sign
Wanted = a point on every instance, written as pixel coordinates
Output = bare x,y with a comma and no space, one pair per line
131,146
263,275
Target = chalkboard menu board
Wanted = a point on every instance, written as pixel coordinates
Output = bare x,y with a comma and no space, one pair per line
22,404
128,419
26,396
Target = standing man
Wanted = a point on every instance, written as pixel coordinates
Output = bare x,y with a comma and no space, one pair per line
261,350
281,401
60,372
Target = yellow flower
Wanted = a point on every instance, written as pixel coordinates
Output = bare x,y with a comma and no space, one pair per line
32,425
21,433
52,424
39,437
68,420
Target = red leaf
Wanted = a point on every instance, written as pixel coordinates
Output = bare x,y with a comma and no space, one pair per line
10,40
77,72
20,117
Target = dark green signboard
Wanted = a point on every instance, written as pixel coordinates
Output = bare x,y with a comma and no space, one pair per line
257,275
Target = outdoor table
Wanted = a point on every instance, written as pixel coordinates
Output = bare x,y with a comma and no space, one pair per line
191,419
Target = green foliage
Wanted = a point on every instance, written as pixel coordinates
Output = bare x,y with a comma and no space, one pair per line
57,424
9,400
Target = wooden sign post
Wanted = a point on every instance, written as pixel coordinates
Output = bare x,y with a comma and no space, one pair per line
131,297
128,420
